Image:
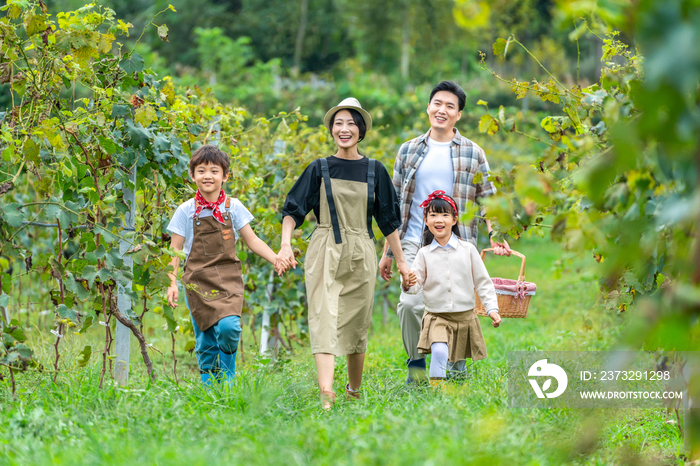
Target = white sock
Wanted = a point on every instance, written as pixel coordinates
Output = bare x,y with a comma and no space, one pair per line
438,360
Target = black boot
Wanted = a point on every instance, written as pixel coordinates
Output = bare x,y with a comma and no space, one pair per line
416,371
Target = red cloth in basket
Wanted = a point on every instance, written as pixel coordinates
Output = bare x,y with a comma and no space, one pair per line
513,287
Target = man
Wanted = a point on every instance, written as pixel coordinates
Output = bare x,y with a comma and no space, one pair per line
440,159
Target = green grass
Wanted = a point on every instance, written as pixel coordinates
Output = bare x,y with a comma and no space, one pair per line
273,416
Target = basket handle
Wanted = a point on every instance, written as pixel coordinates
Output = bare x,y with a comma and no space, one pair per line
521,277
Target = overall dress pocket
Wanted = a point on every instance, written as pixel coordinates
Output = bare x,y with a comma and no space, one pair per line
219,281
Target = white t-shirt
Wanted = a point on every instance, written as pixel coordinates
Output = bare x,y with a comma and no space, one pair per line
434,172
181,224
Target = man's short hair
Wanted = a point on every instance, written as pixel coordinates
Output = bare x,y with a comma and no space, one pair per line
209,154
452,87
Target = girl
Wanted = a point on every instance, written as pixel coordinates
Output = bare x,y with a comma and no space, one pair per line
345,191
449,270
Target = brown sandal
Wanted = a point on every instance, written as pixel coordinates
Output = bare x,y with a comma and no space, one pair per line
350,394
327,399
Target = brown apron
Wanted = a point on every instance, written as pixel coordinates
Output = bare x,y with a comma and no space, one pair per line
213,276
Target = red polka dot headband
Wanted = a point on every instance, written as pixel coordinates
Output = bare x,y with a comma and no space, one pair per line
439,195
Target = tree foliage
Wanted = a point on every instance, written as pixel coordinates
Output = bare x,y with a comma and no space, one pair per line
68,160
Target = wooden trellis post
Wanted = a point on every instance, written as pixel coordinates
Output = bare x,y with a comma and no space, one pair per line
123,337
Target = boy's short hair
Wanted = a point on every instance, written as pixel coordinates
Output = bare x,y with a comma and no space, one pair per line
452,87
209,154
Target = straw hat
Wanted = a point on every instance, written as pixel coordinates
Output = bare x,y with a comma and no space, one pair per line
349,103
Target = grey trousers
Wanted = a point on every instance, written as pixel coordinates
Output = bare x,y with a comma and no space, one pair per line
410,308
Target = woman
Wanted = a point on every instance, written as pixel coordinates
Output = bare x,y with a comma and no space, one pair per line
345,191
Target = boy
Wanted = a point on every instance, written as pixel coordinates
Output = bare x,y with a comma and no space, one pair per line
206,228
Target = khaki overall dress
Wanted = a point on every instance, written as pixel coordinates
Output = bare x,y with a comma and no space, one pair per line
340,277
213,274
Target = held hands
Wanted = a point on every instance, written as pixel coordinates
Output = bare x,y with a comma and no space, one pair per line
412,280
285,260
495,319
281,265
404,271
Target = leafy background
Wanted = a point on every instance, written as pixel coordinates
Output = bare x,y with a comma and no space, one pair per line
588,112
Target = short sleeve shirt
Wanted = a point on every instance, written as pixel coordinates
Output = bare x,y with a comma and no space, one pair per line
181,223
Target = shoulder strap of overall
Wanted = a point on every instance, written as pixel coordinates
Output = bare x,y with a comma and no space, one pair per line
329,197
228,202
370,196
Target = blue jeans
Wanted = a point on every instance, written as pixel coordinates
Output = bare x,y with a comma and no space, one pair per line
216,347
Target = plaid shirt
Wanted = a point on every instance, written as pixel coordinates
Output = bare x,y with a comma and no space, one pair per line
467,159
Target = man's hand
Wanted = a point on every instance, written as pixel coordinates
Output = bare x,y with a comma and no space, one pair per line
385,267
501,249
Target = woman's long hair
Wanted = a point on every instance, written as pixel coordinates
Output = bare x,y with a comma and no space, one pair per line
439,206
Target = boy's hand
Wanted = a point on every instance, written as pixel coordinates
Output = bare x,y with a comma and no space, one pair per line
172,295
496,319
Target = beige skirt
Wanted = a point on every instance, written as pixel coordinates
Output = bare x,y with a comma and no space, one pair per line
460,330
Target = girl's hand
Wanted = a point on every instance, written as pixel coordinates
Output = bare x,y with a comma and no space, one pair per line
496,319
172,295
412,280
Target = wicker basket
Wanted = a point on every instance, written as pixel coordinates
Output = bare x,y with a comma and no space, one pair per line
510,304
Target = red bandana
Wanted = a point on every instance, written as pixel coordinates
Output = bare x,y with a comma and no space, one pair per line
214,206
439,195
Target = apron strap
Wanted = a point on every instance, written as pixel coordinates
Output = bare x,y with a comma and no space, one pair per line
370,197
228,202
329,196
